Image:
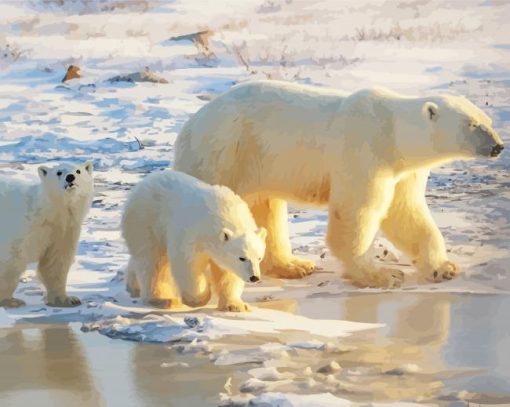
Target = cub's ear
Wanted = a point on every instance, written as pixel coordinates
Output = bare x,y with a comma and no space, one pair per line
262,233
43,171
89,166
226,235
431,111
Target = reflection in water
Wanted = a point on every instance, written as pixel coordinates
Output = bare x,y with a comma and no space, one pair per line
436,331
47,365
439,334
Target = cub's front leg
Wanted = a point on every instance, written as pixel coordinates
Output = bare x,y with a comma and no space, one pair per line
229,288
188,269
53,268
10,272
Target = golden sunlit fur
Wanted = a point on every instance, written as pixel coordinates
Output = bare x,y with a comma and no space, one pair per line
365,155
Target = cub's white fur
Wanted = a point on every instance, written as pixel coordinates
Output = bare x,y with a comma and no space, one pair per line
365,155
41,223
174,222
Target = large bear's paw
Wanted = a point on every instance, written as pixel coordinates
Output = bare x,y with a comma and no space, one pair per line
446,271
234,306
294,268
377,278
164,302
388,278
12,303
65,301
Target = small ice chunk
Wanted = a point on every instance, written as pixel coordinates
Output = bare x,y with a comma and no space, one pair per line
331,367
252,385
174,364
267,374
311,344
405,368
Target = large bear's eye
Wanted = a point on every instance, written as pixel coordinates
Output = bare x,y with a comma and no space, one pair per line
78,172
242,258
59,173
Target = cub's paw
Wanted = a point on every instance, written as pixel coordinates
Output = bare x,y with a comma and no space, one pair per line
12,303
134,292
294,268
446,271
165,303
64,302
234,306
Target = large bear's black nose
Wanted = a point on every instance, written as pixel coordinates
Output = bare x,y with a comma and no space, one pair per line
70,178
498,148
254,279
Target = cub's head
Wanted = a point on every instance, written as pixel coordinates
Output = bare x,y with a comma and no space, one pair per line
460,128
242,253
67,181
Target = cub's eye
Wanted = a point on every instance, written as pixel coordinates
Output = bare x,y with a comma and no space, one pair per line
78,172
59,173
242,258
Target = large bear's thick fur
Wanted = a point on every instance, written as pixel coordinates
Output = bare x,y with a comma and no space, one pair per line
365,155
175,226
41,223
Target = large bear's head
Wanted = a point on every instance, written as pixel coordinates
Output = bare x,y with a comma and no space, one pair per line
460,128
67,182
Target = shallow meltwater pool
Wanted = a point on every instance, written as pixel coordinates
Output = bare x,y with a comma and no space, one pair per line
435,348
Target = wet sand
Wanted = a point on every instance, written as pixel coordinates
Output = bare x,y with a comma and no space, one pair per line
434,345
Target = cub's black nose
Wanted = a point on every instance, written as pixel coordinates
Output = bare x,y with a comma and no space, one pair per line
498,148
254,279
70,178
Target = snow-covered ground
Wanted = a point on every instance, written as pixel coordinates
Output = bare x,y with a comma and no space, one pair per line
129,128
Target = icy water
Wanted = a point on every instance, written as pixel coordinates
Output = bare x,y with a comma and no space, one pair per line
458,343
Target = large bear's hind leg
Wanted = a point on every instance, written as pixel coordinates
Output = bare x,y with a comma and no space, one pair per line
279,261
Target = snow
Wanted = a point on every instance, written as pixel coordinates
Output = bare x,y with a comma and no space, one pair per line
190,327
129,129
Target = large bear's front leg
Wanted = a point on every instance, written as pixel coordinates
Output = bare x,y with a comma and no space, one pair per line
229,288
279,261
355,215
410,227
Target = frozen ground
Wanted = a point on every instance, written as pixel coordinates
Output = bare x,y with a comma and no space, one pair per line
128,129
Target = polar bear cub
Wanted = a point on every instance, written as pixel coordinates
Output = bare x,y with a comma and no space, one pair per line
41,223
175,226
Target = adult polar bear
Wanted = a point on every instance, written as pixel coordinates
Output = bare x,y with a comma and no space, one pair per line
366,155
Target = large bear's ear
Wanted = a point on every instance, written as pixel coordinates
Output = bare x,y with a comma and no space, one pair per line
226,235
89,166
262,233
43,171
431,111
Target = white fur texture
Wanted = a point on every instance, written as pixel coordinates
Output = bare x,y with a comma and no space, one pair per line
41,223
175,223
365,155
